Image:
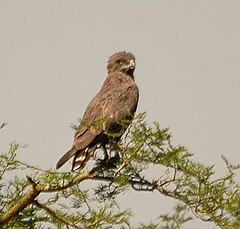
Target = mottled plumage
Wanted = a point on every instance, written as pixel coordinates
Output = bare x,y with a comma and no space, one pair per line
103,119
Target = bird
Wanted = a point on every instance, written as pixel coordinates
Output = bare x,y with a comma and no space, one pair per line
108,114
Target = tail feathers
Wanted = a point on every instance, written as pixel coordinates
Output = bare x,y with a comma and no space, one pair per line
66,157
81,158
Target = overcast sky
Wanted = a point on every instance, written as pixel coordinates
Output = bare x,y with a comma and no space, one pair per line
53,58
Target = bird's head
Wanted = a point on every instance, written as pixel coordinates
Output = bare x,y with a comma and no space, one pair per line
122,62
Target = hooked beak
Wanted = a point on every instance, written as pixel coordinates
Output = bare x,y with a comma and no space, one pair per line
130,66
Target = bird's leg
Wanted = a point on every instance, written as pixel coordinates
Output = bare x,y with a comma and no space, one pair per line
119,157
117,149
105,152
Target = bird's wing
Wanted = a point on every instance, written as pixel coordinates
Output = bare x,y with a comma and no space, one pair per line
87,131
113,104
85,136
82,139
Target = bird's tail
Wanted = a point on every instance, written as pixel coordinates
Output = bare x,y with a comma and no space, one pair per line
82,157
66,157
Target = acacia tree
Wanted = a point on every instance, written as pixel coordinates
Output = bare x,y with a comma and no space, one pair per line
24,203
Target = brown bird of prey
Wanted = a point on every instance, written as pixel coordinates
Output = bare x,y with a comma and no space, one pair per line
108,114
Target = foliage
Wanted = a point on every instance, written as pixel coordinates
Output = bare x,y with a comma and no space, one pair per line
43,199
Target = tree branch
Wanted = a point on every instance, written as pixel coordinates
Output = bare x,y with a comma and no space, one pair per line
35,190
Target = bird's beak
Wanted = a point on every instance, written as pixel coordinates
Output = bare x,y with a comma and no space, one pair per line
132,65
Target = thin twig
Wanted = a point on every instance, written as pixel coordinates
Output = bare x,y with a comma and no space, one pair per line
52,213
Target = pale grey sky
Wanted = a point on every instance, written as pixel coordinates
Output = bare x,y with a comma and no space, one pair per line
53,60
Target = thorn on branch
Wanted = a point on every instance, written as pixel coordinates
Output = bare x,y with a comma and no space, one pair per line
31,181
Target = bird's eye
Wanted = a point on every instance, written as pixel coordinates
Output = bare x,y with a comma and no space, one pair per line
121,62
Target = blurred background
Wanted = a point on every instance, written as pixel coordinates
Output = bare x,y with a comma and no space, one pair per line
53,58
